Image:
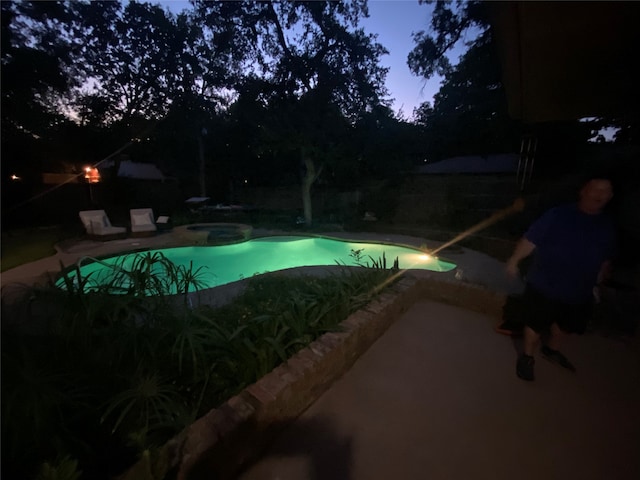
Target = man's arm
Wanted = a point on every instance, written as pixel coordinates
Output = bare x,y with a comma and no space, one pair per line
523,249
605,271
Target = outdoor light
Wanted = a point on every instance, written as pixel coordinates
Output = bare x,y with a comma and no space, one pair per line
15,178
425,257
91,174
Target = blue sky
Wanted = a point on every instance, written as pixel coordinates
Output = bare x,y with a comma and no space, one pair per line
393,21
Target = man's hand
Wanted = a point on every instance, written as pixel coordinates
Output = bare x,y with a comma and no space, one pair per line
512,269
605,272
523,249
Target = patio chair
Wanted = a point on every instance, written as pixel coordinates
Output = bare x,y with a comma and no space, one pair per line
98,225
142,222
164,224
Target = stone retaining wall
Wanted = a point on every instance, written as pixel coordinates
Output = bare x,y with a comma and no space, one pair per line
219,444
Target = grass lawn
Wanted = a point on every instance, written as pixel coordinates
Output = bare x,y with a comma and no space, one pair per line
27,245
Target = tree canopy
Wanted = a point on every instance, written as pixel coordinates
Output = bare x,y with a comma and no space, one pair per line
130,74
318,70
469,113
225,91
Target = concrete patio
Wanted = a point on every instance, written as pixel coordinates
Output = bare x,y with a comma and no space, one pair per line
436,397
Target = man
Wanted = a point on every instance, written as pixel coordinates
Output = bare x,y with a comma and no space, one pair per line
573,246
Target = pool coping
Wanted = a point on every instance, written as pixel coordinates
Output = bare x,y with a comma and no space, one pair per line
222,442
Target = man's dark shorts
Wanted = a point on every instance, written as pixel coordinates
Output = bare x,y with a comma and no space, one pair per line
540,312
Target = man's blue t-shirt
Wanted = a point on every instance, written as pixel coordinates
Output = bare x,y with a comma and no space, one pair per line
570,249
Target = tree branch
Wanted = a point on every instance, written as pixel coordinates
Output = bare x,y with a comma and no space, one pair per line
283,41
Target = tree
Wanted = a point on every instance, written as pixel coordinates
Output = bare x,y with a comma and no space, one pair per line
36,64
450,21
318,69
311,130
469,114
129,53
210,66
167,76
385,145
133,72
36,72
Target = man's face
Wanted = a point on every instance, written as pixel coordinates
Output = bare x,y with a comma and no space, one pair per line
594,195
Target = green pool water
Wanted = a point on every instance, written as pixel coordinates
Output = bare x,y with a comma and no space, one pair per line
229,263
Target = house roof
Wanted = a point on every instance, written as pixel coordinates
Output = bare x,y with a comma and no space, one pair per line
142,171
568,60
499,163
136,170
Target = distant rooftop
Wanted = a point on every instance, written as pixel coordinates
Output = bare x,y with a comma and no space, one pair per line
140,171
498,163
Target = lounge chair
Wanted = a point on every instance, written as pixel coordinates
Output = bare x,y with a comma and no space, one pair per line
142,222
163,223
98,225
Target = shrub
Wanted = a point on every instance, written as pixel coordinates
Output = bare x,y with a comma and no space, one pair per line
111,372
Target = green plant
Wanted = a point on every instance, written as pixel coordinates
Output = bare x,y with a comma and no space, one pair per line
152,465
148,403
187,279
381,263
37,391
139,274
153,364
191,335
65,468
357,256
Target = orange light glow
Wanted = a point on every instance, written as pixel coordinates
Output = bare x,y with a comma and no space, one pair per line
91,174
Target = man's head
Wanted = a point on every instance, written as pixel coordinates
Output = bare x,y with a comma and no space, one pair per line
595,194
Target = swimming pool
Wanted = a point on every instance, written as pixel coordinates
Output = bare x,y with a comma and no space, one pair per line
229,263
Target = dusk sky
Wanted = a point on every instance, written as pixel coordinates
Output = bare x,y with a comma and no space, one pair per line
393,21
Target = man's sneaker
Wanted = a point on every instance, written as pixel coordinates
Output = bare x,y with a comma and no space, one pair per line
524,367
556,357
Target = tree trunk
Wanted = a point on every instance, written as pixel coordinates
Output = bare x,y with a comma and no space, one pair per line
203,185
310,176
